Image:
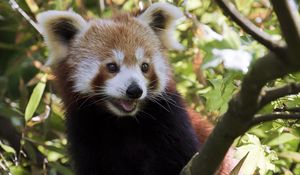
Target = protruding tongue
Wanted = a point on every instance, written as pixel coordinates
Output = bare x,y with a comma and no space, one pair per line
127,105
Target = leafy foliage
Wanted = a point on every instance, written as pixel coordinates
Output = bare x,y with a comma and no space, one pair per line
208,72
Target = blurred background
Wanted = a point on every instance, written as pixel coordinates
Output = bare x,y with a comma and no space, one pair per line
208,72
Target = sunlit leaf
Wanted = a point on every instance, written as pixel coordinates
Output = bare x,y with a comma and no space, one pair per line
7,148
281,139
222,91
238,167
294,156
244,5
18,170
32,5
259,156
35,98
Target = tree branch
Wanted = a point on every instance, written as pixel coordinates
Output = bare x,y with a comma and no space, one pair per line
272,94
290,26
262,37
240,113
290,110
269,117
16,6
248,101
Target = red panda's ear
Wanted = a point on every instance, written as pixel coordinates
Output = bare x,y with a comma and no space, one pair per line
58,29
161,17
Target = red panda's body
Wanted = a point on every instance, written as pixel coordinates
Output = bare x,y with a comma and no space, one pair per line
123,113
155,143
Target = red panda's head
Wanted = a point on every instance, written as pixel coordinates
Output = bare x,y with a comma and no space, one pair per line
121,59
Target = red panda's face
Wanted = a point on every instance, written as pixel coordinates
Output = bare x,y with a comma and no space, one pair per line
121,60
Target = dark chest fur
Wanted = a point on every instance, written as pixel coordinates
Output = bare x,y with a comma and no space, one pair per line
160,141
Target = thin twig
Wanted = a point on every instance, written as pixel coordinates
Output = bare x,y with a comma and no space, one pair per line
21,146
262,37
101,6
45,163
16,6
272,94
269,117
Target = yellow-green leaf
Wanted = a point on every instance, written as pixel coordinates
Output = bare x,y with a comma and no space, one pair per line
292,156
32,5
281,139
35,98
7,148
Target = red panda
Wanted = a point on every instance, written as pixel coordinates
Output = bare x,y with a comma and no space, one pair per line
123,113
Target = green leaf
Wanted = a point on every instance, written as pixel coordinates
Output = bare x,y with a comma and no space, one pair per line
7,148
294,156
18,170
60,168
193,4
222,89
232,38
244,5
260,156
281,139
35,98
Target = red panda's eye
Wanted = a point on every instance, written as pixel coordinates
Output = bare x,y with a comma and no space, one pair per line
145,67
112,67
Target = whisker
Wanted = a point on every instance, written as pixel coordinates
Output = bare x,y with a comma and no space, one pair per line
94,102
147,114
172,102
136,120
163,98
155,101
167,99
172,93
87,98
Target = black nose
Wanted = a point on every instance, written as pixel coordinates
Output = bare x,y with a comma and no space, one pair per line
134,91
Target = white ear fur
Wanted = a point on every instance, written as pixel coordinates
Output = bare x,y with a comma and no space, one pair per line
161,17
58,28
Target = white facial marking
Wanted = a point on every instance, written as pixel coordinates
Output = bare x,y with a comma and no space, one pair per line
85,71
119,55
117,86
161,70
139,54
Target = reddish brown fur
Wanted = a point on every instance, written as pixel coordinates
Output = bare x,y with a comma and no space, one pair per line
101,77
203,129
202,126
153,79
103,36
120,36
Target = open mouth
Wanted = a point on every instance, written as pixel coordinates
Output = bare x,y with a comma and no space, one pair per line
124,105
